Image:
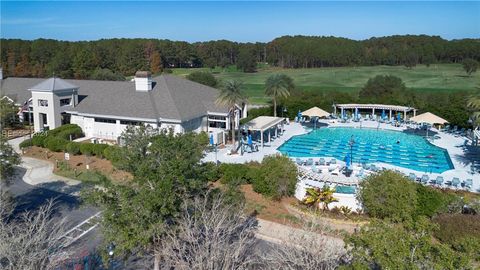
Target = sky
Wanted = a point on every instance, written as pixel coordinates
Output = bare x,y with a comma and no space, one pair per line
237,21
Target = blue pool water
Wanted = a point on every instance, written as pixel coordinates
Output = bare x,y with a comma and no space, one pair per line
371,145
345,189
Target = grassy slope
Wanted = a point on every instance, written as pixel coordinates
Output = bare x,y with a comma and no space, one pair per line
441,77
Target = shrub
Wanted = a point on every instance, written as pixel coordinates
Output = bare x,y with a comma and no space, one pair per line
73,148
86,149
209,171
431,201
65,131
55,144
98,149
39,140
388,195
202,77
25,143
277,177
234,174
111,152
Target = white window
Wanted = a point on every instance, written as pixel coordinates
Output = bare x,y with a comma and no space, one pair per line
65,102
43,103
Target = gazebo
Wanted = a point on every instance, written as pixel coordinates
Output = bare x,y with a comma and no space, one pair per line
265,123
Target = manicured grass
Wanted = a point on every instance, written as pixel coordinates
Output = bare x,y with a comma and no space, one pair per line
437,77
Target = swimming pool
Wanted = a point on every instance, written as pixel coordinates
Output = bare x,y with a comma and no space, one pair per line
371,145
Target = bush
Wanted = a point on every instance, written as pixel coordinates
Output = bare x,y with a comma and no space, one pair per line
55,144
73,148
388,195
26,143
65,131
111,153
202,77
234,174
431,201
39,140
277,177
209,171
86,149
98,149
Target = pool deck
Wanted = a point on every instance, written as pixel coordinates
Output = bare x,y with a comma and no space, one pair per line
462,165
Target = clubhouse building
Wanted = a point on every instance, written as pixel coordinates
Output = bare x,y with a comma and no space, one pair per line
103,109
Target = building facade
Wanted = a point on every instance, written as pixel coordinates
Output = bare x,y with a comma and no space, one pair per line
103,109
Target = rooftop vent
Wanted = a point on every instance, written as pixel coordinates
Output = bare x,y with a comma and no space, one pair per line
143,81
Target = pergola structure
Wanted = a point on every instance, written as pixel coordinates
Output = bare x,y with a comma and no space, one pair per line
265,123
374,107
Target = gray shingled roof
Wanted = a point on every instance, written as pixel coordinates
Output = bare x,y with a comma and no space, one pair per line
53,84
171,97
17,88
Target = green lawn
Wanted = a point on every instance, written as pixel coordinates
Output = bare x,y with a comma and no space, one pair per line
441,77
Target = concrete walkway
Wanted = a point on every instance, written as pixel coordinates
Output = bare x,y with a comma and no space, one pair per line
281,234
38,171
41,171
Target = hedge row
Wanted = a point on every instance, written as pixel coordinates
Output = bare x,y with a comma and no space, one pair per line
58,140
55,139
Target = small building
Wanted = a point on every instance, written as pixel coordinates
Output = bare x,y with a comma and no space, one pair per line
103,109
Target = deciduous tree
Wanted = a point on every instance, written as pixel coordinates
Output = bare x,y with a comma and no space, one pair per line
32,239
167,172
470,66
8,160
211,234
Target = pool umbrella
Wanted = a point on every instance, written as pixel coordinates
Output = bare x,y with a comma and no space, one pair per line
249,139
315,112
343,114
356,113
211,139
299,115
428,118
383,114
399,117
348,161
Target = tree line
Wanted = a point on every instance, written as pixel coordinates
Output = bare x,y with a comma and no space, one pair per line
113,59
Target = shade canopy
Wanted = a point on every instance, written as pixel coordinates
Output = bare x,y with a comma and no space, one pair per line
429,118
315,112
262,123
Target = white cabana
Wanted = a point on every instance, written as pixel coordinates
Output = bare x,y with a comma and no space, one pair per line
264,123
315,112
375,107
428,118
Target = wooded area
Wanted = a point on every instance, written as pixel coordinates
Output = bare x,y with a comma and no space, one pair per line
113,58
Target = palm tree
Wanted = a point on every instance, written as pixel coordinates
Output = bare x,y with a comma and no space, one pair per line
474,105
317,196
278,86
230,95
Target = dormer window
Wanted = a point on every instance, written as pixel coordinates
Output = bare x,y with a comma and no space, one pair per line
65,102
43,103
